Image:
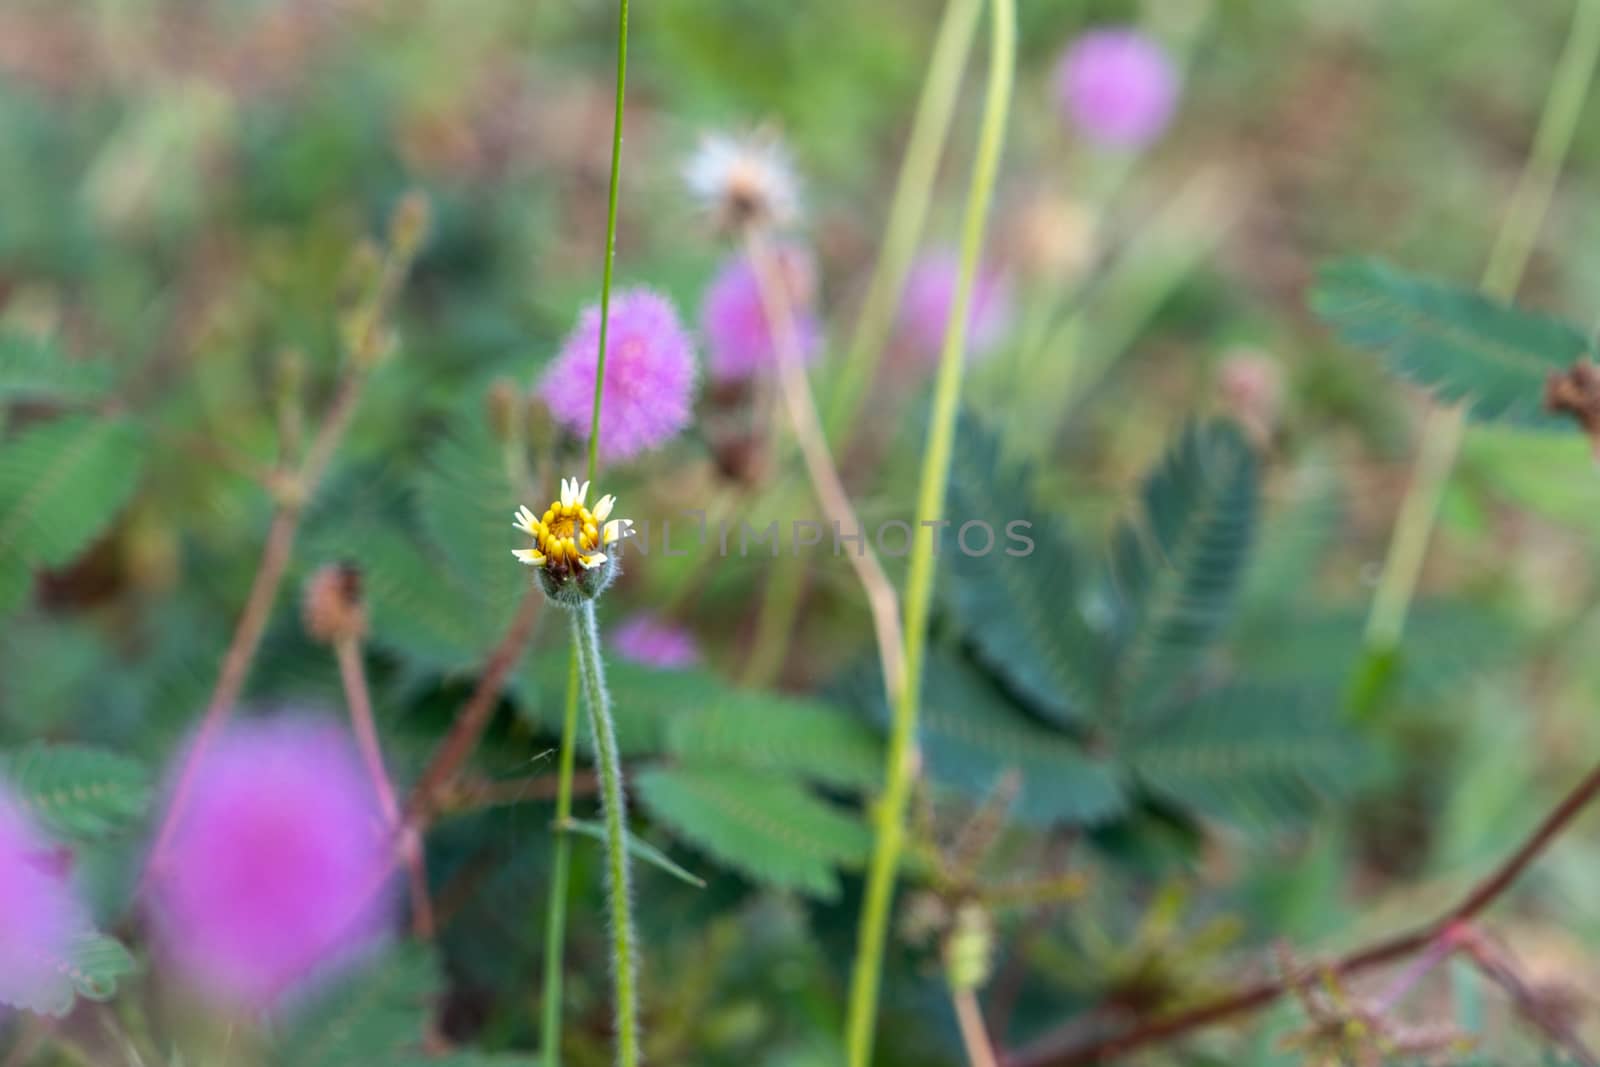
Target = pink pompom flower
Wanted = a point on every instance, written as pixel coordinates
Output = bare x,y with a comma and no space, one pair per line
650,375
655,642
931,291
277,870
733,317
1118,86
40,916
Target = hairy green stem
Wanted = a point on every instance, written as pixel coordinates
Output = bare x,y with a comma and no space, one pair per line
891,810
586,638
555,930
555,927
1446,427
913,191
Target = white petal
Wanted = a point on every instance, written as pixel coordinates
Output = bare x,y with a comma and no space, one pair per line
603,507
532,557
582,491
593,560
567,488
615,530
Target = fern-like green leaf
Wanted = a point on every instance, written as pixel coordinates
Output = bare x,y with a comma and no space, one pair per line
74,792
61,484
770,732
92,967
99,963
466,501
971,737
644,700
33,368
1256,756
767,827
416,606
1457,343
1177,569
1022,614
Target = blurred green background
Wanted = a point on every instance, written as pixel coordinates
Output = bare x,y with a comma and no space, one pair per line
182,188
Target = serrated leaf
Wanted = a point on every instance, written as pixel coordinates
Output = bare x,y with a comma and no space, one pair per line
1022,614
769,828
75,792
1255,756
61,484
971,737
639,849
34,368
1459,344
1177,568
771,732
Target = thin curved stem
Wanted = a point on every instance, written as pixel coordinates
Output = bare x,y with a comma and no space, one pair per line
882,602
974,1035
586,638
353,674
1445,427
891,810
908,211
1062,1047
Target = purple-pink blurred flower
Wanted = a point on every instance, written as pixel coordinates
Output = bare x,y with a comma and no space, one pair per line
929,293
734,319
278,868
40,916
655,642
649,387
1119,86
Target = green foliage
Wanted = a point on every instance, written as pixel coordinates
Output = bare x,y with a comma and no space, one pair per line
1022,614
441,593
783,735
1176,570
61,484
1461,345
1081,668
99,962
380,1015
1251,755
75,792
94,965
971,737
33,368
769,829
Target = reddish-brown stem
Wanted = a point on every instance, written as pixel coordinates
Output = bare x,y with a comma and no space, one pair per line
883,603
236,661
473,718
1061,1048
352,671
1526,1000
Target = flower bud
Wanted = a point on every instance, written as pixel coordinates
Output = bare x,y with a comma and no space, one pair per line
332,608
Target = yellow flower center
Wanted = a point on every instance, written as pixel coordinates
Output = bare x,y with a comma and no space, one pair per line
567,533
